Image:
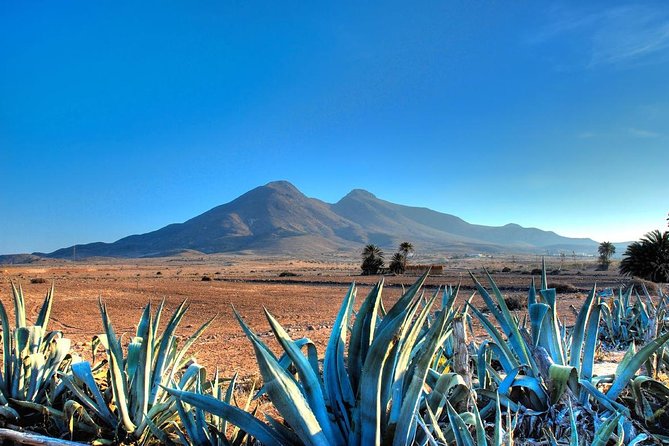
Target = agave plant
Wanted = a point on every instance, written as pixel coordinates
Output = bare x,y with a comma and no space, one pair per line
124,395
32,358
546,371
200,428
629,317
385,391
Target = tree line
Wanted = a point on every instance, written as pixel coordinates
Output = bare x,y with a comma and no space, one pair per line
373,261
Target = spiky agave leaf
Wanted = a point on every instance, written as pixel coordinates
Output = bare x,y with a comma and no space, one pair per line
285,393
256,428
309,381
623,378
414,393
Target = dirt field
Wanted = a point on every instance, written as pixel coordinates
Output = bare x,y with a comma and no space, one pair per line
305,303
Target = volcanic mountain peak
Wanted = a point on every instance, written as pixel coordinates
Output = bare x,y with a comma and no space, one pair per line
359,194
278,218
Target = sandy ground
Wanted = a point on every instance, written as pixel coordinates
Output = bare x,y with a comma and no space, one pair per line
305,304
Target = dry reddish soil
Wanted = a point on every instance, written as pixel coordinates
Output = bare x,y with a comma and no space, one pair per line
306,304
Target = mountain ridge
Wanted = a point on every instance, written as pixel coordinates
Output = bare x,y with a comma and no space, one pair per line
279,218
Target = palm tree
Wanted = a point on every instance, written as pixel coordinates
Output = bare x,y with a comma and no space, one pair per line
606,250
405,249
372,259
397,263
648,258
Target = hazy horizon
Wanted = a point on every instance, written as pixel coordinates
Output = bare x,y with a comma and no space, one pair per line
118,119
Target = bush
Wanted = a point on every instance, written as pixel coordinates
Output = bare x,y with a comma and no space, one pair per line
38,280
287,274
206,278
506,269
563,287
513,303
536,271
639,283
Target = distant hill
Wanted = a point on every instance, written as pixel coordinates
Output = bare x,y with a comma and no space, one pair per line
278,218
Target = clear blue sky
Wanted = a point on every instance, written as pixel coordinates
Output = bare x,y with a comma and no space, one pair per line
121,117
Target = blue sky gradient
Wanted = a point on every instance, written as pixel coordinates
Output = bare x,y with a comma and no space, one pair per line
119,118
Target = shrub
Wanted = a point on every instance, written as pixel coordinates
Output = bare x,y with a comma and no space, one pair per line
206,278
639,283
513,303
564,287
536,271
287,274
506,269
38,280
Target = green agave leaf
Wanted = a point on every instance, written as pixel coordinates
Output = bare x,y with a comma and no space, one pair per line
179,362
397,365
434,424
82,371
490,303
413,396
285,394
287,435
449,386
311,386
161,435
8,413
578,333
247,422
643,386
627,357
161,356
509,325
551,336
508,358
405,354
532,294
481,438
462,435
118,379
573,436
371,378
45,310
429,438
590,347
403,302
602,398
362,334
635,363
559,377
336,382
141,379
37,365
537,313
19,306
605,430
7,361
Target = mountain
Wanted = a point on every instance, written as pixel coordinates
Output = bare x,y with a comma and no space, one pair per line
278,218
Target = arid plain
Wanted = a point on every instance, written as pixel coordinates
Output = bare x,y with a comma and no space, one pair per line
304,295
